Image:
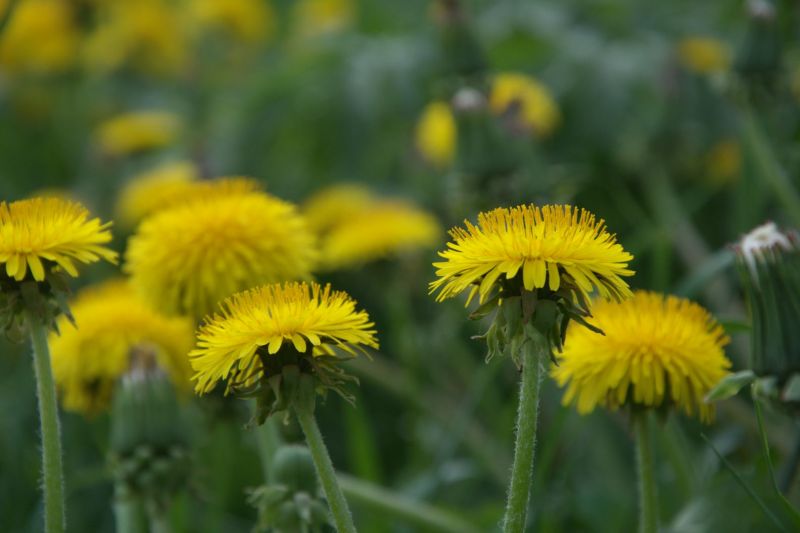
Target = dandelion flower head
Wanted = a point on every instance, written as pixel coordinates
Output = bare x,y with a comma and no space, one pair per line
139,131
436,134
152,190
656,350
704,55
41,36
526,100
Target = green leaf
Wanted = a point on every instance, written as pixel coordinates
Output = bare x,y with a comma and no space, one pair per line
731,385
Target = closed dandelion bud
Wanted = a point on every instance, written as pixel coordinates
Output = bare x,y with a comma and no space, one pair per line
769,264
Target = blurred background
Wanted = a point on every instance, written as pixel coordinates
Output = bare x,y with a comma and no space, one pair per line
677,122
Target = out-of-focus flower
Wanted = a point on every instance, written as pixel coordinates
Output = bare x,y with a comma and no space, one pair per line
313,18
437,134
249,21
112,325
154,189
723,161
41,36
525,101
655,351
225,238
129,133
703,55
331,205
146,35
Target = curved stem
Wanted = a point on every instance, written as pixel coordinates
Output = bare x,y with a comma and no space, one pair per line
648,502
327,476
53,471
527,418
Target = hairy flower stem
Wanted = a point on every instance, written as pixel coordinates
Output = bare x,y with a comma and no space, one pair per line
327,476
527,418
53,471
648,501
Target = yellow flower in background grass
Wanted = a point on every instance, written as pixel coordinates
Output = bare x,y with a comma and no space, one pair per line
225,238
525,100
250,21
312,18
112,323
656,350
251,328
154,189
137,131
41,36
436,134
41,233
723,162
147,35
704,55
547,246
331,205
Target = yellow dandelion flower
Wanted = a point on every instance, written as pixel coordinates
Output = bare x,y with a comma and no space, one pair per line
704,55
136,132
250,21
41,233
436,134
151,190
723,161
385,228
186,258
313,18
332,205
525,99
656,350
41,36
547,246
113,322
234,345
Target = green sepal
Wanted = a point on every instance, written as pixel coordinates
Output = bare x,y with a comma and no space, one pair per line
730,385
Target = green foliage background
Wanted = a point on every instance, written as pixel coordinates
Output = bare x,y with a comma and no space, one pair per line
434,422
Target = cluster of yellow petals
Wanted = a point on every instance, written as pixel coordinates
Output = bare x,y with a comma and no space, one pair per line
152,190
137,131
655,350
224,238
436,134
258,322
39,231
112,322
544,245
525,99
355,227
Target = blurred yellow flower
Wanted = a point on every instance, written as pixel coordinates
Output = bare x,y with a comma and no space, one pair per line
250,21
436,134
703,55
724,161
186,258
312,18
41,233
112,324
150,191
41,36
547,246
525,100
656,350
148,35
331,205
250,330
137,132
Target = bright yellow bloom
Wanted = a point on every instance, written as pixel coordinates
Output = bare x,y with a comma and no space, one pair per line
704,55
112,323
154,189
253,326
332,205
40,233
186,258
41,36
138,131
436,134
149,35
724,161
545,247
312,18
525,99
657,350
250,21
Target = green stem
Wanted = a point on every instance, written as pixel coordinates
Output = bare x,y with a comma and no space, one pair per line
128,513
527,418
159,521
402,507
54,517
268,440
648,501
327,476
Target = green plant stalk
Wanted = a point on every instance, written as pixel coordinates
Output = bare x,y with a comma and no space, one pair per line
53,470
128,514
268,440
327,476
527,418
648,500
159,521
